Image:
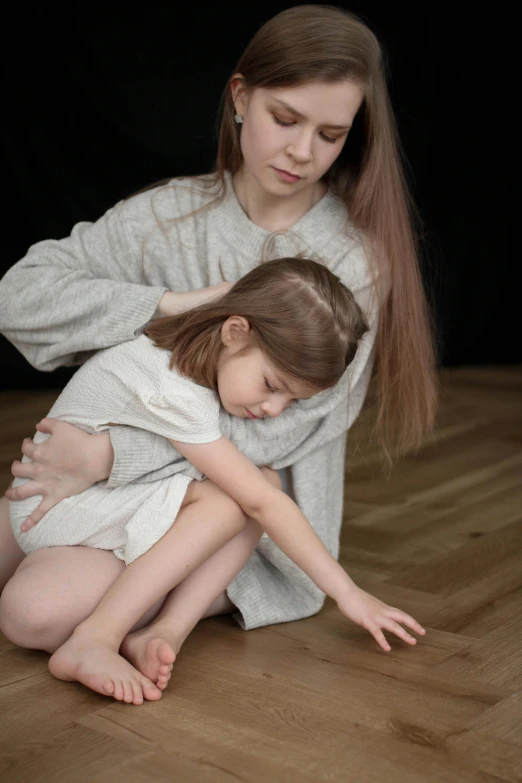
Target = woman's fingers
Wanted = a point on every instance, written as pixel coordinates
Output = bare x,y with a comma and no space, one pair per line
38,514
28,490
45,425
28,448
24,469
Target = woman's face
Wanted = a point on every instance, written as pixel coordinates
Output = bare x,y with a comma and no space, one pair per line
294,131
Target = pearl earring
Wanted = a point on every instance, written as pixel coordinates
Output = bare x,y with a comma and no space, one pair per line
238,118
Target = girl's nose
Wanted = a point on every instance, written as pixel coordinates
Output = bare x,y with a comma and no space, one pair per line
273,407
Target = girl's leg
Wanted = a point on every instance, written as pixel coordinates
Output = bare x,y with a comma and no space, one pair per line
153,649
10,553
91,654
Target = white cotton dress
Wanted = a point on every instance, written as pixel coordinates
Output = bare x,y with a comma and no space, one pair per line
128,384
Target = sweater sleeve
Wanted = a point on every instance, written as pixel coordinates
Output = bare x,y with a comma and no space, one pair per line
271,588
70,297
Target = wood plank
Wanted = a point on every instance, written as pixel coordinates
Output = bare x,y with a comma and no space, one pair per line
317,700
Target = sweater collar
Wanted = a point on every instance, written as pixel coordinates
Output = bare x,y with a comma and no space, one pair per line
316,227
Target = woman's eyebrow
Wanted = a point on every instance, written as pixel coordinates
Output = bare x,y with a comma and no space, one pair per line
302,117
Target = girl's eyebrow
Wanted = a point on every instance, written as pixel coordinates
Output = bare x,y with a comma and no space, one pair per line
302,117
282,383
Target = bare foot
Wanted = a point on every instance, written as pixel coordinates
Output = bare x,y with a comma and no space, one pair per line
152,655
96,665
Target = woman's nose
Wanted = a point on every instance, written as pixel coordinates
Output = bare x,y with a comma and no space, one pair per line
301,148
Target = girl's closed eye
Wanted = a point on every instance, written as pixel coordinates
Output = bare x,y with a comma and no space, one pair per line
268,386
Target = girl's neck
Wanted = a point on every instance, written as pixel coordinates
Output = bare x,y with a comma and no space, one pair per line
274,213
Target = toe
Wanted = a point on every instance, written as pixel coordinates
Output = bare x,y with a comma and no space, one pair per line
163,681
108,687
166,654
128,695
149,690
137,694
118,690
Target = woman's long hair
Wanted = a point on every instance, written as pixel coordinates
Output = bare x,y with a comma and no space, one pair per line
324,43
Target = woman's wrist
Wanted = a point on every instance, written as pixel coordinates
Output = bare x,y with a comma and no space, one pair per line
100,457
169,304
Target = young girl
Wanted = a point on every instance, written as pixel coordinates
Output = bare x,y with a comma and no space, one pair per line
285,332
307,162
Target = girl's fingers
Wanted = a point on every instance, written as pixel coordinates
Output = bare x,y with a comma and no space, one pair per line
398,630
405,619
379,637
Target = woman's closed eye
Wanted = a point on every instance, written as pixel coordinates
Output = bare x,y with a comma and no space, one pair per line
289,123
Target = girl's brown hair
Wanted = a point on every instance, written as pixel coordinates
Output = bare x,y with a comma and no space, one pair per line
324,43
302,317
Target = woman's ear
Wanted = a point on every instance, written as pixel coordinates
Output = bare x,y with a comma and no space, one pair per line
235,332
239,93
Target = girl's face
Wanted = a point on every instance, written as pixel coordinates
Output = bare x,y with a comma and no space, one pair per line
290,136
249,386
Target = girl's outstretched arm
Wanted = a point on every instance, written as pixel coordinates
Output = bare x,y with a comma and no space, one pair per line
283,521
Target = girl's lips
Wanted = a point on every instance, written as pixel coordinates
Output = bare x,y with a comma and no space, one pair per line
286,176
251,415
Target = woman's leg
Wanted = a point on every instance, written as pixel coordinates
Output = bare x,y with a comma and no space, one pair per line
10,553
203,525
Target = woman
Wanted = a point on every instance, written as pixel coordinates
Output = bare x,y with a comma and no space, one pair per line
308,162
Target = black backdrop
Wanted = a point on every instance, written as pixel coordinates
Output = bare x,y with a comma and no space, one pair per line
101,102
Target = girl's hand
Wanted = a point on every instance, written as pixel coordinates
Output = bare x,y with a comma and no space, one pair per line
172,303
67,463
363,609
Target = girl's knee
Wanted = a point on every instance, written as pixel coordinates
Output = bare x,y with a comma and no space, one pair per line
272,476
218,502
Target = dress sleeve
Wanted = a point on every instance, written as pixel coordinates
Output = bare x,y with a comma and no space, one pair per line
177,417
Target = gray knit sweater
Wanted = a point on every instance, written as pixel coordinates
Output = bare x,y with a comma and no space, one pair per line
101,286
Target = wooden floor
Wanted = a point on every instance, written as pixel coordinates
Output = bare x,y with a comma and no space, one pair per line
316,700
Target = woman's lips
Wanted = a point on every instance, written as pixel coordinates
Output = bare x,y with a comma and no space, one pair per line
286,176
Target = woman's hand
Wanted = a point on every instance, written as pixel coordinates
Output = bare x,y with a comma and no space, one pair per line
65,464
374,615
172,303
